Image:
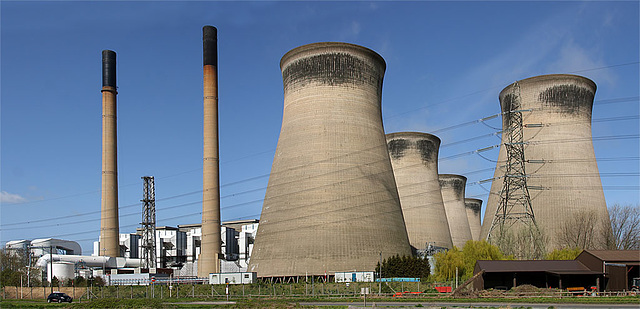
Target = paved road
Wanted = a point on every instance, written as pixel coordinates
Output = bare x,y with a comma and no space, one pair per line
475,305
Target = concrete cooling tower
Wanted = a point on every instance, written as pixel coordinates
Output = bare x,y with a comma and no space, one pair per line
562,173
452,187
331,203
473,207
414,158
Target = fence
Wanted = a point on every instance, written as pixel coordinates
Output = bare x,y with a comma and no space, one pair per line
414,290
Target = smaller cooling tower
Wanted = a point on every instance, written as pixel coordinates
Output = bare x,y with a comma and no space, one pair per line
452,187
414,158
473,207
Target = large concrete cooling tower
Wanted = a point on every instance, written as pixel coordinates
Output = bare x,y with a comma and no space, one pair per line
331,203
414,157
560,165
210,242
473,207
109,227
453,187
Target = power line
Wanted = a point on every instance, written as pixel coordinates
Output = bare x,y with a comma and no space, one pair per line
477,151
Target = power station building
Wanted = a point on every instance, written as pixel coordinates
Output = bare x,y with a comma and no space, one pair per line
179,248
331,202
414,158
560,165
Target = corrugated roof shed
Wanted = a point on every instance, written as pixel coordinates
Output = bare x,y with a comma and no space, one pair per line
558,267
615,255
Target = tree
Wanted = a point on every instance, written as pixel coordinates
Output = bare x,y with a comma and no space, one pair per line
625,228
564,254
13,267
446,263
404,267
584,230
524,242
465,260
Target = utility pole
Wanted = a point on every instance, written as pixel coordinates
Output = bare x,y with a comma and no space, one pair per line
149,223
51,263
515,201
380,276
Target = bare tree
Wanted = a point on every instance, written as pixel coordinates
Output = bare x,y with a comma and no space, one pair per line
583,230
625,228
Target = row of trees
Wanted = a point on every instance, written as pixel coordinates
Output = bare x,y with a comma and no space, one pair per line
404,267
586,231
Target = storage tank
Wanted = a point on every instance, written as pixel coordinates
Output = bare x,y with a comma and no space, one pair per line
63,270
560,164
331,202
414,158
473,206
453,187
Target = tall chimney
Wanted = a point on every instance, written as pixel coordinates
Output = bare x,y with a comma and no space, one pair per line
109,229
210,242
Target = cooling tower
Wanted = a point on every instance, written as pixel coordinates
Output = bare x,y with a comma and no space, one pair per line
562,173
414,158
473,207
331,202
452,187
109,228
210,242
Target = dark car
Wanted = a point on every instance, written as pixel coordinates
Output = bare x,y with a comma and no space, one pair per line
58,297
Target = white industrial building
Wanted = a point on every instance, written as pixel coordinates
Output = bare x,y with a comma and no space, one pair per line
177,248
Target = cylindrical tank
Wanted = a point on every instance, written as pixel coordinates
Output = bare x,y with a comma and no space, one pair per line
473,207
331,202
562,173
414,158
109,226
453,187
63,271
210,243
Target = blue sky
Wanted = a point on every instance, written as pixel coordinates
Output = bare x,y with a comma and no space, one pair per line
446,64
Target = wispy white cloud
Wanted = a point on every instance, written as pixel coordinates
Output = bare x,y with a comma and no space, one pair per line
572,57
6,197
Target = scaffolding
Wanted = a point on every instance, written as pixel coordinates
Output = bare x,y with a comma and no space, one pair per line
148,223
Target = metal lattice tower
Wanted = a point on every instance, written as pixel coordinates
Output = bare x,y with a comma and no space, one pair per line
515,201
149,223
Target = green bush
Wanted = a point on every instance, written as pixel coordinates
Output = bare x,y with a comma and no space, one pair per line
120,303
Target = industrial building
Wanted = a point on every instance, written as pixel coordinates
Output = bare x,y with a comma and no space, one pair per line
331,203
178,248
414,158
560,167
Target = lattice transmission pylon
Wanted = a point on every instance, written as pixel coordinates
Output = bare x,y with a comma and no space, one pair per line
149,223
514,227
